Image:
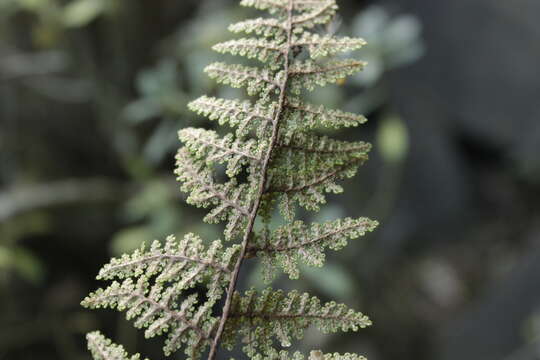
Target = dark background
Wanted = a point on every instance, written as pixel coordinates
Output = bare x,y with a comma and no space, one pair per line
92,93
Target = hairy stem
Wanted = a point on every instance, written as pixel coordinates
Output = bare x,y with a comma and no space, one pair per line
262,186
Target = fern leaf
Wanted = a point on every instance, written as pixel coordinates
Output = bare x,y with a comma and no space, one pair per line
272,5
282,5
325,150
305,182
263,50
154,308
257,81
314,355
321,46
271,28
274,315
306,164
308,74
102,348
319,355
294,243
240,114
184,262
230,201
316,12
207,145
303,117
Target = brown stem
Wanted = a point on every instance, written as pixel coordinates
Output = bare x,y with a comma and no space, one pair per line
262,186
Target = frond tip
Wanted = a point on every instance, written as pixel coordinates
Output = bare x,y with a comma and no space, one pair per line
102,348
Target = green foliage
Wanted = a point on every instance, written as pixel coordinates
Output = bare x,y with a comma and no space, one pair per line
273,160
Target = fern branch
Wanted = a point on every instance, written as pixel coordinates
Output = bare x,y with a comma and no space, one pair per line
208,146
152,307
282,5
262,186
255,80
294,243
263,50
307,74
322,13
192,174
272,28
340,172
184,262
241,114
271,5
304,116
320,46
260,318
324,145
314,355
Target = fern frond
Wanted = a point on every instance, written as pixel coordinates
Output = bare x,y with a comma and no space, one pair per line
230,201
299,5
273,315
303,117
208,146
273,160
263,50
319,355
307,166
240,114
102,348
316,12
184,262
337,151
154,308
272,5
314,355
326,45
271,28
256,81
297,243
305,182
308,74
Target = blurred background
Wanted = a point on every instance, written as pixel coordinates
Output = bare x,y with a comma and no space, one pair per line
92,93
